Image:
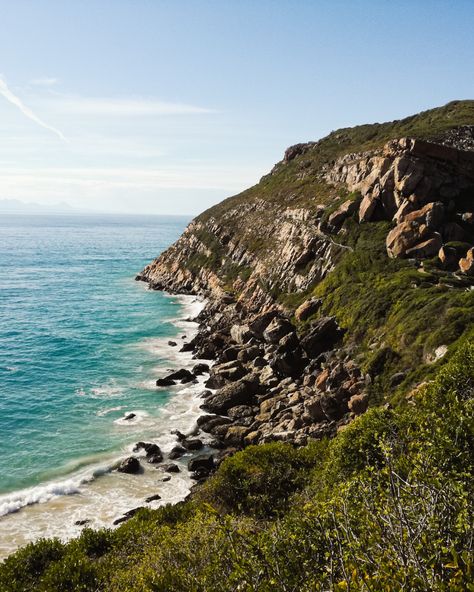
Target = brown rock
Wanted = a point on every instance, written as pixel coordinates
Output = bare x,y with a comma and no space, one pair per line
406,207
236,434
308,308
427,248
358,403
240,334
466,264
432,215
322,379
313,408
344,211
404,236
367,209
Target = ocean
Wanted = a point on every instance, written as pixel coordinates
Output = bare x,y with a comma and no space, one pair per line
81,346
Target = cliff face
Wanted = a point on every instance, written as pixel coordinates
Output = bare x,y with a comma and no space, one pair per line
284,235
337,281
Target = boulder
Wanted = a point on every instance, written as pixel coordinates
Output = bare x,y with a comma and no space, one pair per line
405,236
129,465
314,409
129,416
240,334
220,374
203,461
466,264
322,379
152,498
177,452
452,232
322,336
236,434
171,468
192,444
277,329
172,343
153,451
248,354
308,308
200,368
345,210
165,382
240,411
358,403
332,407
448,257
405,208
289,362
182,375
213,422
241,392
260,322
367,209
432,215
428,248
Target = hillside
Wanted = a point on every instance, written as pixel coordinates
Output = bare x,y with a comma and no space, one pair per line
339,322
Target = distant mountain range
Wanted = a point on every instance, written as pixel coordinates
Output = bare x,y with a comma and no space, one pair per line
16,206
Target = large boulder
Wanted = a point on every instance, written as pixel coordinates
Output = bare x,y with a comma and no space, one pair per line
323,335
345,210
153,451
220,374
432,215
240,334
368,209
277,329
405,236
182,375
241,392
428,248
201,462
260,322
129,465
308,308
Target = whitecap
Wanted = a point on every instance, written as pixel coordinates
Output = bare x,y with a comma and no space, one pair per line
103,412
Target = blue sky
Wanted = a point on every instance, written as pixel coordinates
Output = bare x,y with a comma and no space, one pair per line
168,107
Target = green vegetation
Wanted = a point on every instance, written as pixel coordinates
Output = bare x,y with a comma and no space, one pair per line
396,315
386,505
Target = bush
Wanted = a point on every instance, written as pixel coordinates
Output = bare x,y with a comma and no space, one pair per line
258,480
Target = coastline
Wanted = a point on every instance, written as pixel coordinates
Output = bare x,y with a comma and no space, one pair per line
96,495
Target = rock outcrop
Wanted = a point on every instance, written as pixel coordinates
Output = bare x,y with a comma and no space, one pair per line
283,371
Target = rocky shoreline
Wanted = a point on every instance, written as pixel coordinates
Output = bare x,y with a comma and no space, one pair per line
266,382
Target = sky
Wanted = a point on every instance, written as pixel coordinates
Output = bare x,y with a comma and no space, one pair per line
167,107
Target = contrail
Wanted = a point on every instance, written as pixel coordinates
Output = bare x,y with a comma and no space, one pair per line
14,100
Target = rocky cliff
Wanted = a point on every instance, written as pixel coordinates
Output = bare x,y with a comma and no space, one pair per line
336,282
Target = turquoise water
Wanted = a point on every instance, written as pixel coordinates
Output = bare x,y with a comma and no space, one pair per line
74,334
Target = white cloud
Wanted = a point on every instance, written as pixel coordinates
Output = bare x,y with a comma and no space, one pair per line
27,112
178,177
126,107
44,81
